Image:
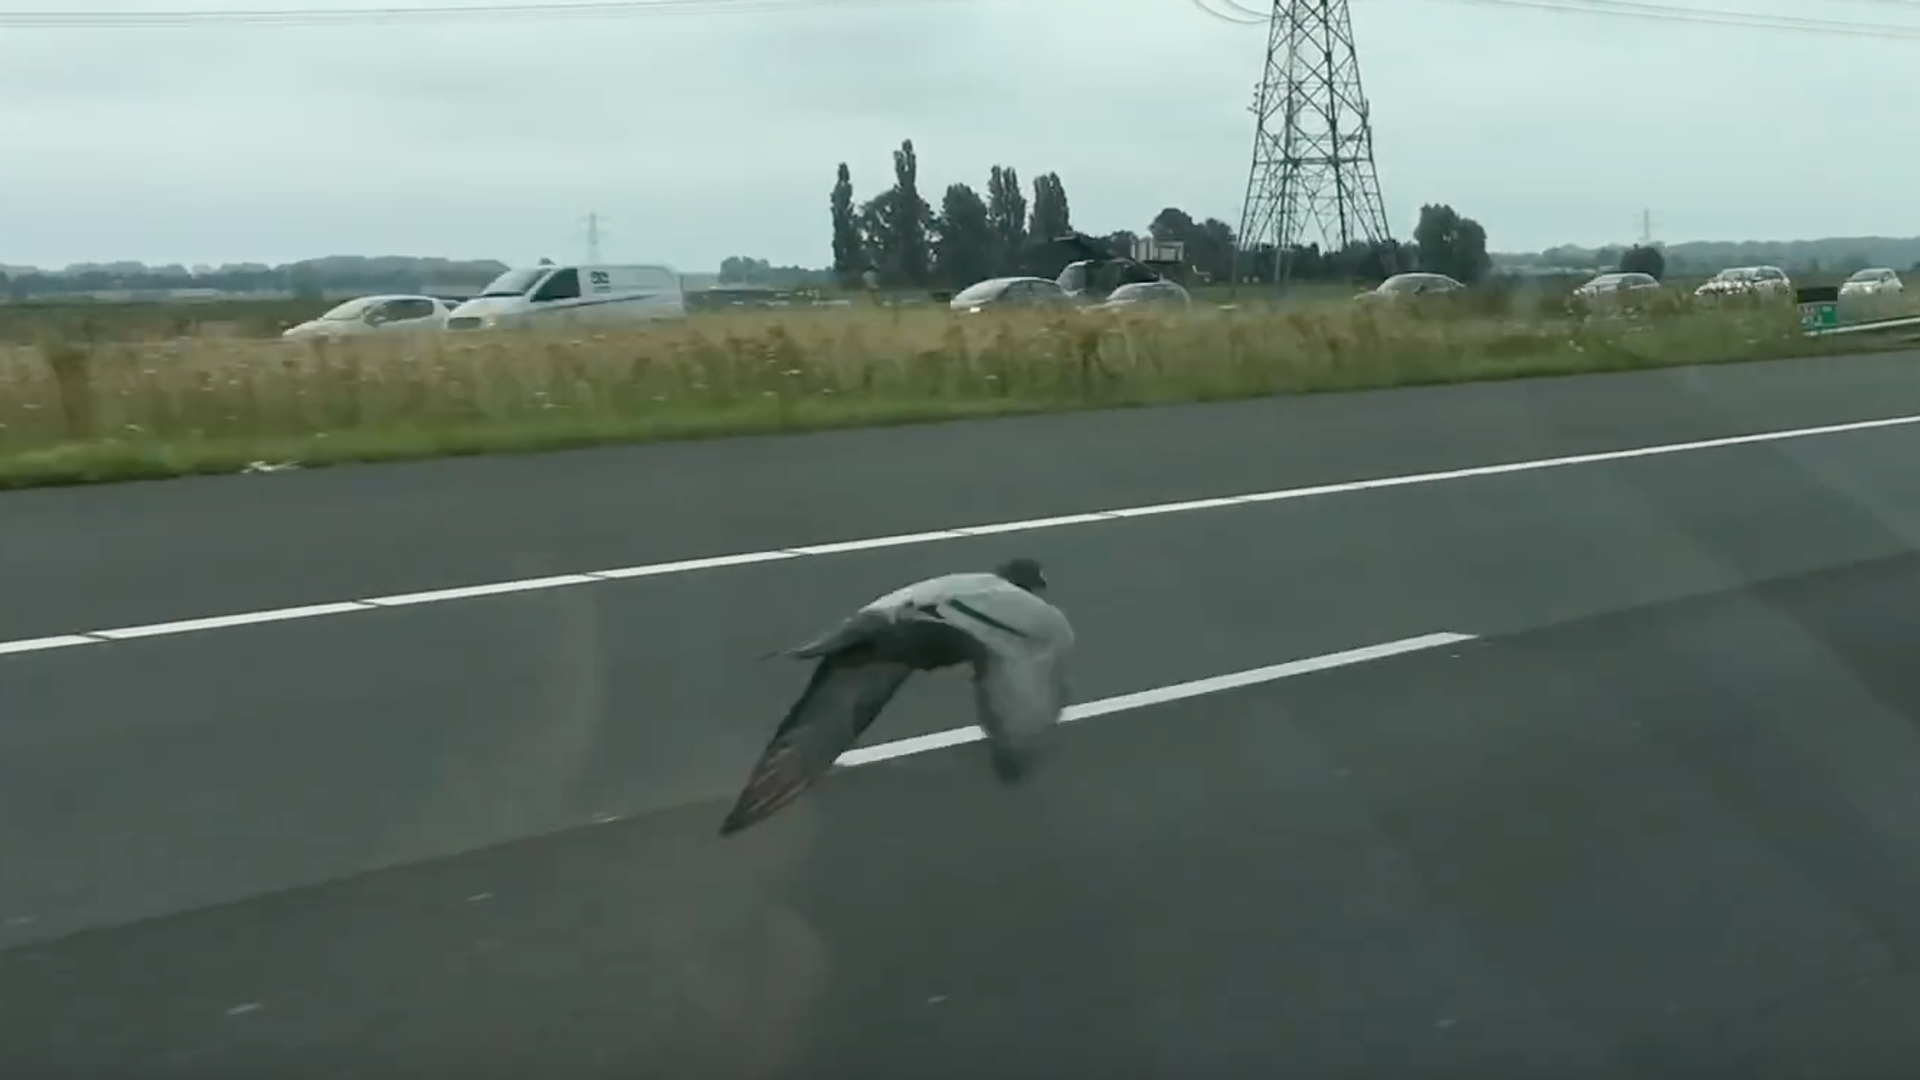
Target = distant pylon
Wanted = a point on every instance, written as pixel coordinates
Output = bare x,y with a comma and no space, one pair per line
1313,177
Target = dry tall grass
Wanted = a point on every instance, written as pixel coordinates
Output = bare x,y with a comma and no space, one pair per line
74,411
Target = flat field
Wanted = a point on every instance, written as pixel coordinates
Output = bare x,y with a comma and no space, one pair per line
107,392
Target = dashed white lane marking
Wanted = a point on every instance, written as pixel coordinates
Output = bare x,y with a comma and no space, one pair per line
940,740
58,641
687,566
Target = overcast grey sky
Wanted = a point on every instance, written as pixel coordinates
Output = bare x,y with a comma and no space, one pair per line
699,136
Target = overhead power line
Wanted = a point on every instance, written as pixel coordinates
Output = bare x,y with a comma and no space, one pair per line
1238,12
1752,20
446,13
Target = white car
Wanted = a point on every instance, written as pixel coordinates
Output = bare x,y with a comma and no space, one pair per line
1614,283
1879,281
1736,280
374,315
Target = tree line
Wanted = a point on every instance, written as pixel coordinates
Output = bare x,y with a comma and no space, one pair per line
307,279
903,240
898,236
907,242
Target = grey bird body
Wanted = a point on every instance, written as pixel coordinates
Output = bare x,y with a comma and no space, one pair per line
1017,644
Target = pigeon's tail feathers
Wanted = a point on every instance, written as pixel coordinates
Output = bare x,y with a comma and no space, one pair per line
840,702
1009,763
1020,692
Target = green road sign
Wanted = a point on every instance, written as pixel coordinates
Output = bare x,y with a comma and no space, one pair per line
1819,316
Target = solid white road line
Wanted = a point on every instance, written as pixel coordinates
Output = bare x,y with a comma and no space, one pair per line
940,740
687,566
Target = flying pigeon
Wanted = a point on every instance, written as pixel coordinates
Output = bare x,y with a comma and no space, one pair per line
1016,642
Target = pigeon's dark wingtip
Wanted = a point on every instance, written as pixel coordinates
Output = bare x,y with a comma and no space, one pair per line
740,819
746,813
778,779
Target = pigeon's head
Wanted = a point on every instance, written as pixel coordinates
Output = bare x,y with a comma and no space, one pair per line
1024,573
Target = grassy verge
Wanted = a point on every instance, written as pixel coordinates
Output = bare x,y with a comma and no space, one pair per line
74,411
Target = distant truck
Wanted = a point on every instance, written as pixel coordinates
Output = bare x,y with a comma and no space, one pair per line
574,293
1099,271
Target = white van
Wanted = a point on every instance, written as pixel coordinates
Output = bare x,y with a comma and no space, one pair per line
540,295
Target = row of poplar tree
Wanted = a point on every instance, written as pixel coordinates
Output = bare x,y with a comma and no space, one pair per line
908,242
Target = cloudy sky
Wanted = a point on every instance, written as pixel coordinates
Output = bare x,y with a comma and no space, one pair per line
700,133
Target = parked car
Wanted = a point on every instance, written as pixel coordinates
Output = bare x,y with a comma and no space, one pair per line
1615,283
374,315
1877,282
1747,280
1146,294
1403,286
1008,292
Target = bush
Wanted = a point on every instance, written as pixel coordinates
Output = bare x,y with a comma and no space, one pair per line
1644,260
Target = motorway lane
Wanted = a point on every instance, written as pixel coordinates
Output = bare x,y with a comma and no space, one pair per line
1672,840
89,558
148,777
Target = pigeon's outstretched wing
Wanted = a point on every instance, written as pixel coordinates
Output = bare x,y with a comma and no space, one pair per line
881,617
846,693
1017,643
936,589
860,628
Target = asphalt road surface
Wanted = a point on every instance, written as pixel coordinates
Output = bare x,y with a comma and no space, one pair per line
1660,817
79,558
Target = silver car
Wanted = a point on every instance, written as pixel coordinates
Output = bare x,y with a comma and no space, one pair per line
1746,280
1150,294
1607,285
1878,281
1404,286
1008,292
